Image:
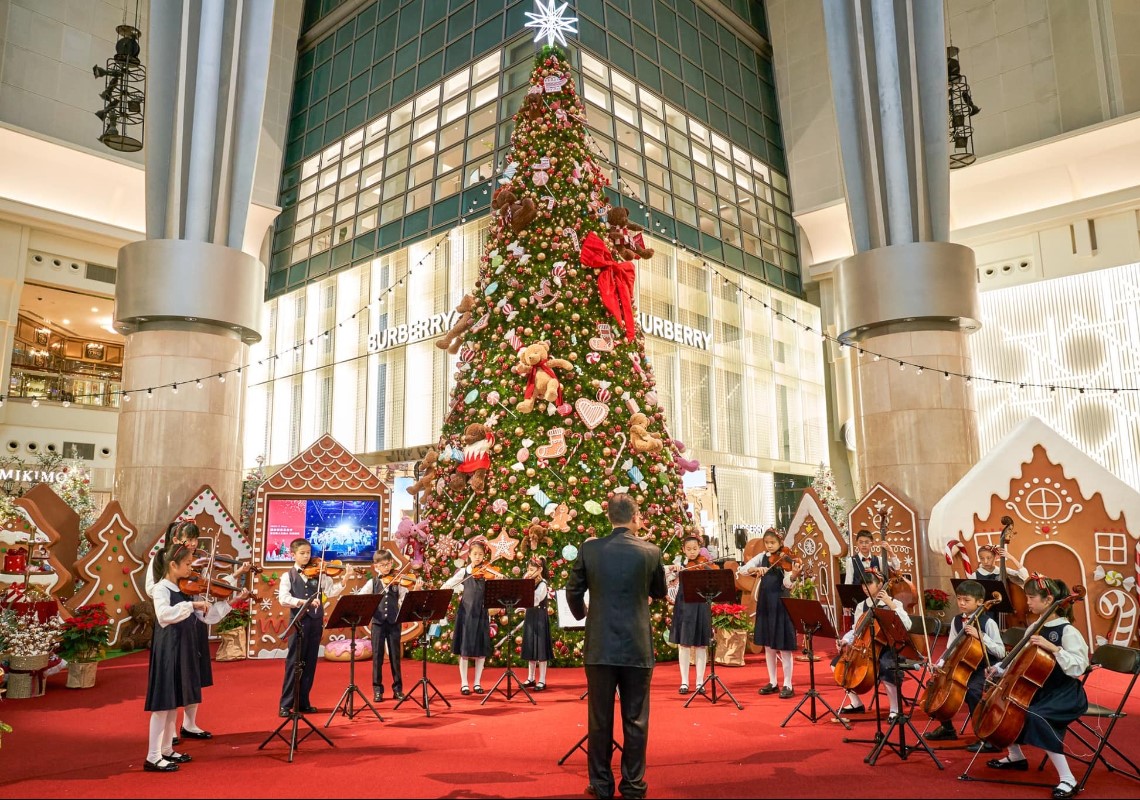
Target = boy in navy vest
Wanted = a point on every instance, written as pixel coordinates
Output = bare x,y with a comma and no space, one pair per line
385,629
302,595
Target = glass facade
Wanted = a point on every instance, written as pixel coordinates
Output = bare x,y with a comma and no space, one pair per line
746,394
402,113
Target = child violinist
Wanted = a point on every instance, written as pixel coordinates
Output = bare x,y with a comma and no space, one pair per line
988,569
185,533
385,628
774,629
471,638
877,596
692,623
862,560
1061,699
970,596
174,678
537,644
301,593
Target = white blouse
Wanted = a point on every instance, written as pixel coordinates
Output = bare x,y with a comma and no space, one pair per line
168,613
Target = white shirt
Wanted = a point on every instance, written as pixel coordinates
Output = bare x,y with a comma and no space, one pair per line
1021,575
861,610
285,591
376,586
1073,657
541,592
168,613
455,582
991,640
849,576
756,562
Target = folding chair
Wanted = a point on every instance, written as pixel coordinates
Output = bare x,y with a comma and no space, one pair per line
1126,661
918,670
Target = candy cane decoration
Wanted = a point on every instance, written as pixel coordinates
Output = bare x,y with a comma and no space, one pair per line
955,548
581,439
1120,607
613,466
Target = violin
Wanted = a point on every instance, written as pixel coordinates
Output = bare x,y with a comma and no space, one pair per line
204,555
1000,717
1019,617
318,565
486,572
700,562
785,559
946,690
195,583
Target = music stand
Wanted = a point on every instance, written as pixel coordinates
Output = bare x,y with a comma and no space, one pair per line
295,716
424,606
812,620
897,637
509,594
581,745
710,586
351,611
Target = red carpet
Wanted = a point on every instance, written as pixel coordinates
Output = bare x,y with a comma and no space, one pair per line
91,743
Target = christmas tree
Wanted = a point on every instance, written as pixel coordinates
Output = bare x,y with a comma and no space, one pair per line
554,408
824,485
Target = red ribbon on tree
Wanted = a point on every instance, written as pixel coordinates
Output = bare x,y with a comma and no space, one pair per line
615,281
541,365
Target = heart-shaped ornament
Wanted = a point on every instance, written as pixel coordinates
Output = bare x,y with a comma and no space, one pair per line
592,412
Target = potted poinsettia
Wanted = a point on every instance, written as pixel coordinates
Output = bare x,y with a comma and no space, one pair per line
83,642
731,624
234,630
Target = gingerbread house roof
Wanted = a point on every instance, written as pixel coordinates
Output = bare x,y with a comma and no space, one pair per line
953,516
811,505
326,466
206,501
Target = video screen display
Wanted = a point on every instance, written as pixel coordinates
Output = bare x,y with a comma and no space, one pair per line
344,529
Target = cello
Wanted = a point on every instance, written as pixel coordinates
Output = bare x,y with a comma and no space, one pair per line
1000,717
855,668
1019,617
946,690
899,587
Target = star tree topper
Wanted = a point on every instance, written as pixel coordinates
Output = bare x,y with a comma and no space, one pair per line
550,24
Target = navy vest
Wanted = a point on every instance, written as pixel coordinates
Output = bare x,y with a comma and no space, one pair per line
302,587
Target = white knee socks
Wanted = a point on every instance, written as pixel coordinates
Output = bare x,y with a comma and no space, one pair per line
770,658
161,734
702,664
542,672
787,659
1015,753
684,658
463,663
530,665
479,662
892,696
190,718
1061,764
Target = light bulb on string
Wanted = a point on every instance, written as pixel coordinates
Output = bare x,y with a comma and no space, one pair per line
198,383
66,404
222,378
902,366
150,392
919,371
126,397
946,375
969,380
174,388
877,357
35,402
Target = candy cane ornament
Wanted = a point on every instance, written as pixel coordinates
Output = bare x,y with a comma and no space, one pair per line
1120,607
613,466
955,548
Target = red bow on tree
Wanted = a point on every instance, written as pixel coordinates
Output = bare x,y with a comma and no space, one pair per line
615,281
541,365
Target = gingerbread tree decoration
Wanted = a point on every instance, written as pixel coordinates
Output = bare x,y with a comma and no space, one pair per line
112,574
554,409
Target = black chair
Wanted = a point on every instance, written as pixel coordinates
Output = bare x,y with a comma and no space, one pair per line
1126,661
1011,636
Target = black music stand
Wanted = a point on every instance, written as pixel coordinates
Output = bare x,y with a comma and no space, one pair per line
581,745
295,716
812,619
509,594
351,611
424,606
897,637
710,586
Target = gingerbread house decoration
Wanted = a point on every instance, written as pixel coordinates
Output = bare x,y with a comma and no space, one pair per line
889,517
217,527
60,516
111,572
1073,520
33,535
326,471
814,537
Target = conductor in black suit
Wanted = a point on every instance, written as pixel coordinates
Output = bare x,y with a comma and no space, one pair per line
621,573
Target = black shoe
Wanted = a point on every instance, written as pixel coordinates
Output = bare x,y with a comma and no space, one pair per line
378,697
852,710
1064,789
769,689
540,687
700,688
943,733
187,734
982,747
284,712
397,695
684,689
1021,765
478,689
787,692
179,758
162,766
592,790
465,691
175,742
310,710
528,683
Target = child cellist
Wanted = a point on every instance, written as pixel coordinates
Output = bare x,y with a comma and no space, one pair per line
877,596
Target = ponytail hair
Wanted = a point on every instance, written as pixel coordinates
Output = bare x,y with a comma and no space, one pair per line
171,555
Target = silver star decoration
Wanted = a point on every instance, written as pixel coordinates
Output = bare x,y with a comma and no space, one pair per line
549,23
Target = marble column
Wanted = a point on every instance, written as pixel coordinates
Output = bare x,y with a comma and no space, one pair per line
907,294
189,298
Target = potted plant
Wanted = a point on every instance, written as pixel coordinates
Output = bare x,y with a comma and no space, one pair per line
83,642
804,589
935,600
29,644
234,630
731,624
